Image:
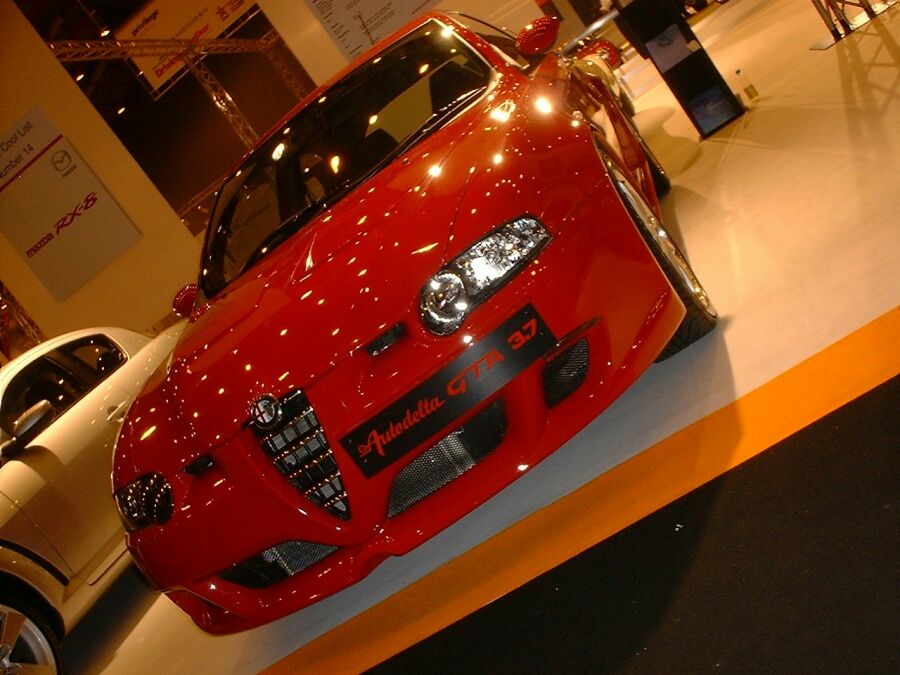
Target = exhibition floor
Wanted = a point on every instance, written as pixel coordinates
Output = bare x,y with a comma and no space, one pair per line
789,218
778,566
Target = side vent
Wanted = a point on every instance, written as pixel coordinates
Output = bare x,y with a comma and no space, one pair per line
565,373
386,340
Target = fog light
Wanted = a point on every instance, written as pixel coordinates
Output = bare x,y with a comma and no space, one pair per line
145,501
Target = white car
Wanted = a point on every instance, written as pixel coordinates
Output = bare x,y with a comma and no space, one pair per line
61,541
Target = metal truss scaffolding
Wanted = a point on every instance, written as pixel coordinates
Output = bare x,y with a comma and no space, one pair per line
192,53
840,25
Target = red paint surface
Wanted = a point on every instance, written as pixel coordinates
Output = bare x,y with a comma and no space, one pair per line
300,317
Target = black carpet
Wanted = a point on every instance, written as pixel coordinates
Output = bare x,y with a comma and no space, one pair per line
787,564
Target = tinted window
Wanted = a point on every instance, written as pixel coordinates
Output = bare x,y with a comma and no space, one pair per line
62,377
334,143
98,354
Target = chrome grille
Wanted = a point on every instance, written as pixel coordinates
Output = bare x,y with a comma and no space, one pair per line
300,451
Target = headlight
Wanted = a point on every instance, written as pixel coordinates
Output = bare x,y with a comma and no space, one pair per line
444,302
145,501
474,275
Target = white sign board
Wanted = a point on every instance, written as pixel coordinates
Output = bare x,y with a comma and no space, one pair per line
181,20
356,25
53,208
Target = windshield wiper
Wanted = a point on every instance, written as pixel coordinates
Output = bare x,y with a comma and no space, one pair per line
438,117
277,236
428,126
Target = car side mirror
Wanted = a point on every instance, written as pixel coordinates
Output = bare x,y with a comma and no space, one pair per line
183,304
603,49
538,37
27,427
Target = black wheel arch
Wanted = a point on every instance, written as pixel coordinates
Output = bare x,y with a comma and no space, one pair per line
16,587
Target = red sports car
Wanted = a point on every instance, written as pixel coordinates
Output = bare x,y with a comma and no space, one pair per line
433,273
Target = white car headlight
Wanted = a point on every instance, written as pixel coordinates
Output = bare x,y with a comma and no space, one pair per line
479,271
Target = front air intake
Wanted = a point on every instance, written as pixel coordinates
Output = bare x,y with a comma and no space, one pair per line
276,564
565,373
449,458
300,451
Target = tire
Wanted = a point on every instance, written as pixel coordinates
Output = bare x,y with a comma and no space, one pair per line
626,103
27,638
661,182
701,316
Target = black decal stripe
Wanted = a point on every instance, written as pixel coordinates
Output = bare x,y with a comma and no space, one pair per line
472,377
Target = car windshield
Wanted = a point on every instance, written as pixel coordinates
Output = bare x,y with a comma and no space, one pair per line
334,143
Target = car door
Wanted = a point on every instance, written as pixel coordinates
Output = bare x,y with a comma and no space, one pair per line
61,480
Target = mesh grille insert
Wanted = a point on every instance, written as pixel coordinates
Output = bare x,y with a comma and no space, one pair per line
300,451
448,459
277,564
565,373
296,556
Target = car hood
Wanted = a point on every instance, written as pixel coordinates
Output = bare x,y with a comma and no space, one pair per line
344,279
349,276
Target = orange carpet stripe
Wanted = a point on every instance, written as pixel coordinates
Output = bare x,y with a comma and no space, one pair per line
610,502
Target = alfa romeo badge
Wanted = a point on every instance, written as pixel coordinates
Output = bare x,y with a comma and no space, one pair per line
265,412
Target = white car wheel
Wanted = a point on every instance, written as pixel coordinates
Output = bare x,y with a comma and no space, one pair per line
27,643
